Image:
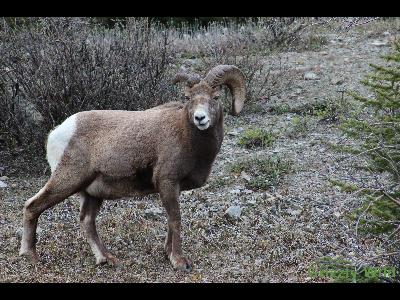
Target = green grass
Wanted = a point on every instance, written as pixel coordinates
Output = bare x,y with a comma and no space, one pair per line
376,215
217,182
256,137
325,110
266,172
300,126
383,216
340,270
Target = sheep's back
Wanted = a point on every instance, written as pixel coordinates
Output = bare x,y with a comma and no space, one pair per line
121,141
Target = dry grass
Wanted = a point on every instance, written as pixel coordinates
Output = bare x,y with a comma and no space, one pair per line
281,233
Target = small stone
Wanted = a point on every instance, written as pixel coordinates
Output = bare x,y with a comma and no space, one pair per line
252,202
258,262
235,191
233,212
246,191
386,33
294,212
337,214
337,81
153,213
379,43
311,76
274,98
3,184
245,176
236,131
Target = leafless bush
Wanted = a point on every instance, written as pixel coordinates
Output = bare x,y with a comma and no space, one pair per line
254,47
51,68
58,66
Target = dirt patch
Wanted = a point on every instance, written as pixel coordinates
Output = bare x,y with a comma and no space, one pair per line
281,232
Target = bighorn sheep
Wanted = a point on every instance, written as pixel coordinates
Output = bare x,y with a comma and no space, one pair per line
112,154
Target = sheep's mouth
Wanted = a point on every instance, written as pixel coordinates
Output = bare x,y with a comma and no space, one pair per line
203,126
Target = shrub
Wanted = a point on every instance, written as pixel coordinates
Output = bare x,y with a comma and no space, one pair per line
376,130
56,67
299,127
266,172
252,47
256,137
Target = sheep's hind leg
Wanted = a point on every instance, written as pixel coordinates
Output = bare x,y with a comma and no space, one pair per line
31,214
51,194
90,207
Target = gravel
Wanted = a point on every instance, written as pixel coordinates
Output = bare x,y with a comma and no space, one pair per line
281,231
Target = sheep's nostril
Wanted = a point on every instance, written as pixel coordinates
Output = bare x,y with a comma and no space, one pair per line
199,118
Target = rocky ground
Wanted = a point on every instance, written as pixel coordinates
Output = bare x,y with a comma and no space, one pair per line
231,232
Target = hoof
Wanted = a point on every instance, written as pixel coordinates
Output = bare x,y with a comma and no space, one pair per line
181,263
31,255
107,259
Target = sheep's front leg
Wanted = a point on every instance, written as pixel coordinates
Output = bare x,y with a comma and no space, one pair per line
169,193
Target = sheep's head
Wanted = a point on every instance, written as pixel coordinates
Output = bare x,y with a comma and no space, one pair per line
202,94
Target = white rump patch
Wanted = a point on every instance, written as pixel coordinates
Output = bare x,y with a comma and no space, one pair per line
58,141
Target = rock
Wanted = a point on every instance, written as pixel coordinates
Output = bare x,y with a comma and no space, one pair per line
337,81
235,191
298,91
252,202
191,63
245,176
386,33
379,43
302,69
153,213
246,191
337,214
311,76
3,178
233,212
294,212
236,131
274,98
3,184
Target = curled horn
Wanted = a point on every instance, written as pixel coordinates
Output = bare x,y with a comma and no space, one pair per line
234,79
190,79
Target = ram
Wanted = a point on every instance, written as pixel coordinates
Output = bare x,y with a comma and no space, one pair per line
110,154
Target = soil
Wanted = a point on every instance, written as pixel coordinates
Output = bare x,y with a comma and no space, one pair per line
280,233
